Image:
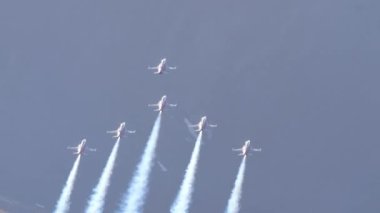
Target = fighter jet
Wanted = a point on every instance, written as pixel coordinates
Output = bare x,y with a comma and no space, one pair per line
245,149
161,104
81,148
121,131
202,125
161,67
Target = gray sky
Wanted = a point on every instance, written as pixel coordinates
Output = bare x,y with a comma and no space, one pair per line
299,78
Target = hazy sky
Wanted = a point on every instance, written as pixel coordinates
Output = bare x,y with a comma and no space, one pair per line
298,78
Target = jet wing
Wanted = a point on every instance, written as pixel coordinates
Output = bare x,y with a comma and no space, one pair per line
152,68
190,127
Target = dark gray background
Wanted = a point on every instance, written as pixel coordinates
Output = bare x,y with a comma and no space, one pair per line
299,78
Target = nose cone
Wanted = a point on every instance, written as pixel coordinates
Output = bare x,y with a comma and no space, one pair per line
247,142
84,141
204,118
163,60
163,98
122,124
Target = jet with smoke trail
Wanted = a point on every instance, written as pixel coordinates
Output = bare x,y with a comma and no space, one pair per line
81,148
201,126
183,199
121,131
135,196
162,104
63,203
233,203
246,148
96,202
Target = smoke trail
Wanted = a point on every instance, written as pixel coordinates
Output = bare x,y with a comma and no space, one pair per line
63,204
182,202
233,202
135,196
96,202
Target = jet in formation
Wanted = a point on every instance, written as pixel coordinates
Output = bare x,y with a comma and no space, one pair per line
245,149
162,67
162,104
121,131
202,125
81,148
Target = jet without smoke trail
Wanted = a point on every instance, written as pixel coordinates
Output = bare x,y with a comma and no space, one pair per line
135,196
96,202
183,199
63,204
233,203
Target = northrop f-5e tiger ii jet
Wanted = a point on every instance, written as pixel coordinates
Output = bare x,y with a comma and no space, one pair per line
121,131
202,125
162,104
81,148
161,67
245,149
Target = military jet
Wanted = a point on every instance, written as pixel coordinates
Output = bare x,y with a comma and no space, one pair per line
245,149
162,104
202,125
121,131
81,148
161,67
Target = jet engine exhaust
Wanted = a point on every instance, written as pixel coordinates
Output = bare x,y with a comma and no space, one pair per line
183,199
134,198
233,203
63,203
96,202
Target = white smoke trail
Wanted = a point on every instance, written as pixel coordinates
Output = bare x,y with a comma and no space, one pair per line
135,196
63,204
233,203
183,200
96,202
